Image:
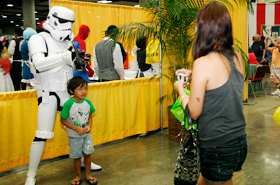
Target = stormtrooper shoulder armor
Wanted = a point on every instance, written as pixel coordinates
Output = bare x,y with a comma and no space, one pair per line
37,44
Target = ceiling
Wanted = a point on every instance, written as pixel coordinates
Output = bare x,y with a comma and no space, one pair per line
42,9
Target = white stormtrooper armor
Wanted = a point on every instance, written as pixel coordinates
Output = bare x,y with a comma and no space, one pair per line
59,23
51,64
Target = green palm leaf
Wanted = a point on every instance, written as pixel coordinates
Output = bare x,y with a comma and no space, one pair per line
173,23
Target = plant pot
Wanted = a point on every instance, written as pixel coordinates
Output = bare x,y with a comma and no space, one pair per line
174,126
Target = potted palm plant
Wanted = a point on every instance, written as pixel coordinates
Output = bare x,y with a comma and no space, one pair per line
173,23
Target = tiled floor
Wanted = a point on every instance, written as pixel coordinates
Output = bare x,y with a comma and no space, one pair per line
150,159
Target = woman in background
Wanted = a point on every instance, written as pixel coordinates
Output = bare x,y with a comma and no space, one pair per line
146,69
252,58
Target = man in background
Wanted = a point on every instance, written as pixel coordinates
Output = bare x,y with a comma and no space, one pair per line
258,48
107,57
14,51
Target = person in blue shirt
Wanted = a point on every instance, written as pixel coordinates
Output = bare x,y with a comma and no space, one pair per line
26,74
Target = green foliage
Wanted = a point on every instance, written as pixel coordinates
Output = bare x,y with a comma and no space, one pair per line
173,23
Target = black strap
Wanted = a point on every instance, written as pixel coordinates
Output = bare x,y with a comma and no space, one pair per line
187,112
183,126
36,139
59,108
191,127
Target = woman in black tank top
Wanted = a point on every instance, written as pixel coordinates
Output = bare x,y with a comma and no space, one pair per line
216,98
141,43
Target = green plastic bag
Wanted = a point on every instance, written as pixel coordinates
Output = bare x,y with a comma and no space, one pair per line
178,111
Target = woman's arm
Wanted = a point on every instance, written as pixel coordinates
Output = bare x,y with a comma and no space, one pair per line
266,44
198,86
273,42
179,86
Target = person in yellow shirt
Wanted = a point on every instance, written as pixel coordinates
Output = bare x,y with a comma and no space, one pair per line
275,51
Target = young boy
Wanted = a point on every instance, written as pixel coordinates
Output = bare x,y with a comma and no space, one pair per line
76,115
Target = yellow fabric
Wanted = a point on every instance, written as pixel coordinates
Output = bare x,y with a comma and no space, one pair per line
123,108
98,17
239,22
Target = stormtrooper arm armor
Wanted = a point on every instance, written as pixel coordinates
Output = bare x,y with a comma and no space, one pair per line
47,63
42,63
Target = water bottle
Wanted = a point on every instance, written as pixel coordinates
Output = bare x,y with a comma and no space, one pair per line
88,147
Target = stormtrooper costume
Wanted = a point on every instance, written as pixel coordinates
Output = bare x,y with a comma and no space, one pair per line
52,66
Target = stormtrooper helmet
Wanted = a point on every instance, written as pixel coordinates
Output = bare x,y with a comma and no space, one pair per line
59,23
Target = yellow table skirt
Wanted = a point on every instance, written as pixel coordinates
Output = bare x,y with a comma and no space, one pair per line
123,108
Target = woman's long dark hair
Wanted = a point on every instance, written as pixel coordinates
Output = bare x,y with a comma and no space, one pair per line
213,30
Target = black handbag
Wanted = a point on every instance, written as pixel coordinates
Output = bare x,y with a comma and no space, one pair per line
188,162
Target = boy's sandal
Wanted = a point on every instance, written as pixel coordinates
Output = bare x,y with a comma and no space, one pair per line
92,181
77,182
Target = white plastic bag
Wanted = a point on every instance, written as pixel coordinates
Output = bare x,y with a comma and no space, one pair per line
134,64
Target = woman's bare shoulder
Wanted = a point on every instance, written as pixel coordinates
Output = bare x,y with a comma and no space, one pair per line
207,61
239,57
203,65
204,60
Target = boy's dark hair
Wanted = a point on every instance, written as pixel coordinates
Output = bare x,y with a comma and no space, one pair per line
18,31
75,82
